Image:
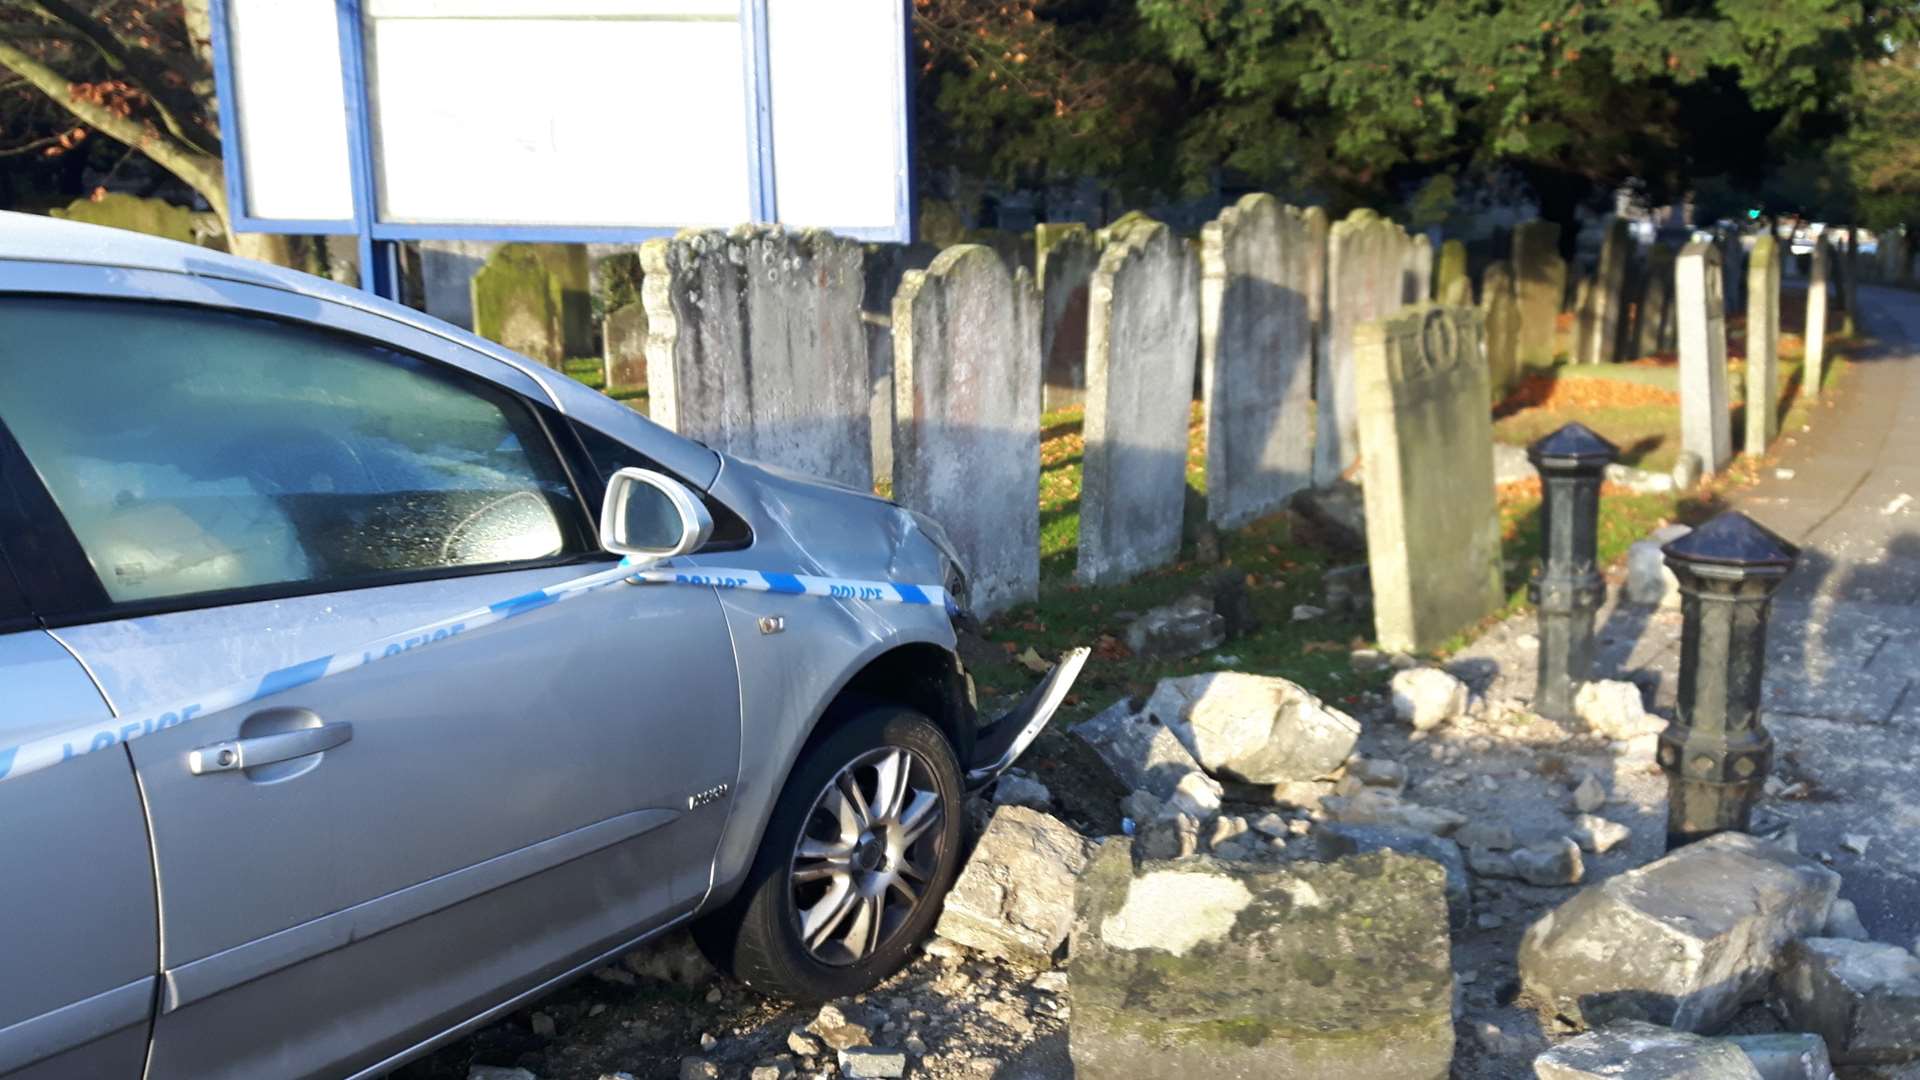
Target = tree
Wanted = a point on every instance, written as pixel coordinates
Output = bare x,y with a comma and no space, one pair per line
1881,157
138,72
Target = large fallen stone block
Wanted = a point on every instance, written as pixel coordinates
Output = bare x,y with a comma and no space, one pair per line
1333,840
1255,729
1142,753
1307,970
1682,942
1015,897
1790,1055
1863,997
1631,1050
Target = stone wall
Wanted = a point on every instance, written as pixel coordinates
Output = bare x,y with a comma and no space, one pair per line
966,446
755,347
1366,278
1143,328
1426,437
1256,357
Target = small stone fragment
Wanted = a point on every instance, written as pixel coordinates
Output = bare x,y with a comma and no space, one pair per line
1187,627
1649,582
1855,842
1631,1050
1271,824
1843,921
1599,835
498,1072
1616,710
872,1064
1172,835
1789,1055
1197,796
1589,795
1862,997
1426,698
1014,789
672,958
1379,772
1494,836
802,1043
541,1025
836,1030
693,1068
1376,807
1549,863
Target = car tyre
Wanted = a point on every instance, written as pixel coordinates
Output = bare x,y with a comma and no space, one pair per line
857,857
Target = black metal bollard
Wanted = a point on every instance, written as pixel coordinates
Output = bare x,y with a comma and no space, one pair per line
1568,589
1716,753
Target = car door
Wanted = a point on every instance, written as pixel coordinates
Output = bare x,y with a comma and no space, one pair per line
419,838
78,954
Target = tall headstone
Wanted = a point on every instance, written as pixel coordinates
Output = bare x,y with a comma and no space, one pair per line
1850,281
447,268
1700,316
1606,300
1417,285
1316,217
1433,532
1256,357
1653,315
516,302
1763,342
1540,279
1065,256
966,444
1585,319
1143,330
755,347
884,266
1366,274
1500,308
1814,372
1734,268
624,347
1451,275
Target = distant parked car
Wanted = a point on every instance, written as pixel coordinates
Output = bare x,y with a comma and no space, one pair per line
214,472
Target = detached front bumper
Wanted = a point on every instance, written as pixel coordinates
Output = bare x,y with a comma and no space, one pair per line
1001,743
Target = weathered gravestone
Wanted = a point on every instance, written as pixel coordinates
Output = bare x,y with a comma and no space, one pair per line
1308,970
1451,275
447,269
1600,343
755,347
883,266
1763,342
1700,318
1143,329
1734,280
1500,308
624,347
1316,218
1366,271
155,217
1417,283
1256,357
1814,372
1653,316
516,303
966,444
1540,280
1583,317
1426,443
1066,257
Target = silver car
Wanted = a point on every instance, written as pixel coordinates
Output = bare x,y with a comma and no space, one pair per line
271,805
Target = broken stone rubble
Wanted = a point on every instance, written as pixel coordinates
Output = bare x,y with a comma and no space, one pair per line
1862,997
1682,942
1142,753
1254,729
1425,698
1616,709
1014,899
1633,1050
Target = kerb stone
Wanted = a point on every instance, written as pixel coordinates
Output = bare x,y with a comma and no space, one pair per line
966,381
1256,358
1143,329
1433,535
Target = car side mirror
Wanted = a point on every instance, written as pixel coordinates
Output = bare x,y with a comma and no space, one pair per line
651,516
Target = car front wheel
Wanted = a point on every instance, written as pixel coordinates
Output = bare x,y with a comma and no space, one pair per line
857,857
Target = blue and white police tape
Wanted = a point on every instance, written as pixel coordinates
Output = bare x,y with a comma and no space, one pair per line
51,749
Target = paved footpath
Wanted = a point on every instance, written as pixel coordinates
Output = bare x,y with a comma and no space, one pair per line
1843,665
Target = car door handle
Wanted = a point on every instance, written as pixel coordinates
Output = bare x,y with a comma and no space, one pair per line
267,749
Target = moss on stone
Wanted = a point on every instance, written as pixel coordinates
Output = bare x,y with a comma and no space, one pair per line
155,217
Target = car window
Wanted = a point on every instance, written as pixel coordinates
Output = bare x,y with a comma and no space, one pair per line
197,451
